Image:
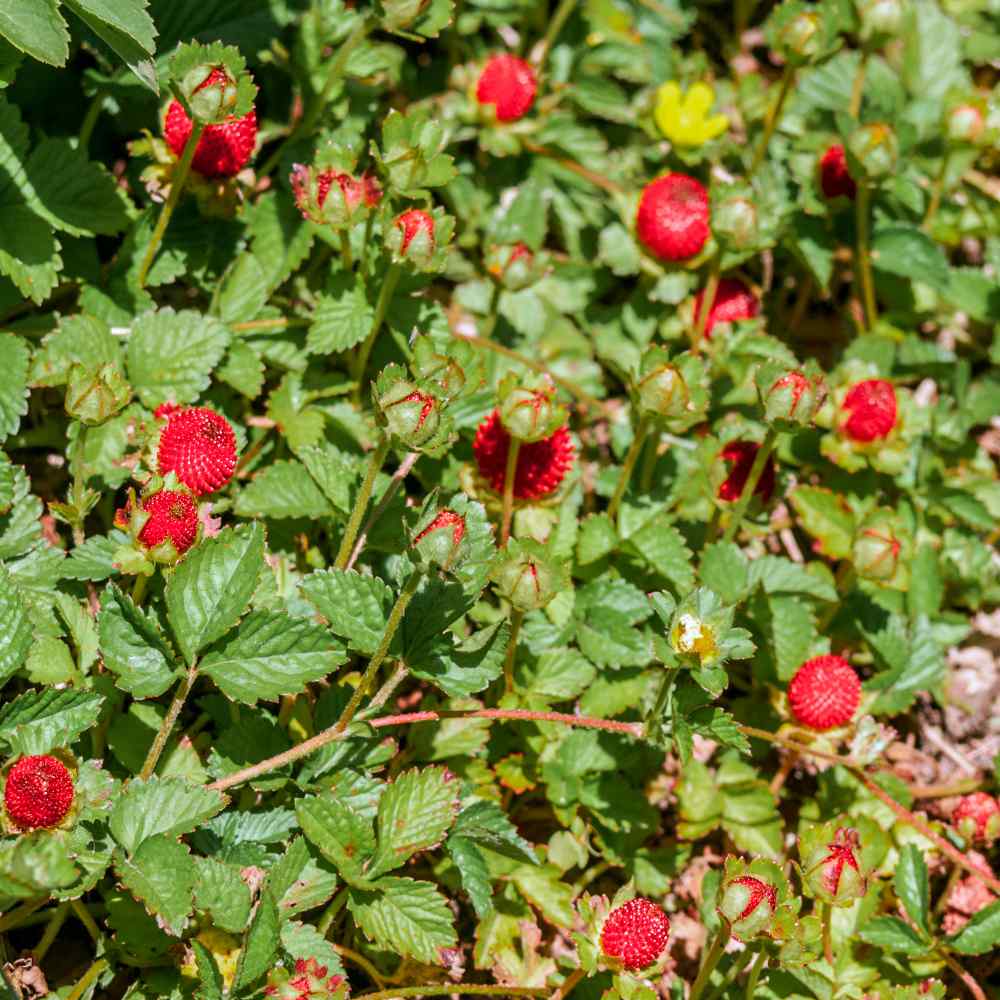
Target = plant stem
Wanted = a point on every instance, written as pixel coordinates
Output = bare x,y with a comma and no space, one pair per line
361,962
642,429
390,491
51,932
333,75
330,913
176,189
83,915
90,120
666,686
385,691
773,116
826,916
395,617
444,989
942,902
139,589
739,963
710,961
15,918
509,478
858,87
707,301
864,260
88,978
516,618
970,982
183,690
389,283
760,460
755,972
937,189
560,17
568,985
375,461
649,460
345,250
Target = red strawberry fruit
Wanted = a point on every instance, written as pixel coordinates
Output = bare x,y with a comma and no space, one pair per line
509,84
635,933
172,515
834,178
741,455
198,445
223,150
541,465
733,301
824,693
672,220
38,792
977,817
871,410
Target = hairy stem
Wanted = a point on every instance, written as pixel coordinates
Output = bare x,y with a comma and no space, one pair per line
826,916
391,490
937,189
509,478
375,461
864,258
166,727
568,985
516,619
756,470
858,87
444,989
755,972
970,982
385,691
562,14
707,301
711,960
139,589
773,117
87,980
389,282
51,932
176,188
642,429
739,963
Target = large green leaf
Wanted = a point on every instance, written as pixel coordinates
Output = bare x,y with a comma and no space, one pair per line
39,721
260,943
283,489
36,27
168,806
15,629
161,876
125,26
912,886
14,357
910,253
271,655
981,934
340,832
211,588
356,607
343,316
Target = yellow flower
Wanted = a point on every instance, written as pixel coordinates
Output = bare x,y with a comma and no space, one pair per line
684,118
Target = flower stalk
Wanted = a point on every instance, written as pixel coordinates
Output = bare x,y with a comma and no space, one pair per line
375,462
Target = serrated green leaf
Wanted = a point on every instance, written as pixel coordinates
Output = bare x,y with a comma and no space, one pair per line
405,916
912,659
35,864
475,875
559,675
243,292
910,253
356,607
414,815
340,832
14,357
981,934
793,632
161,876
220,892
912,886
208,973
133,646
127,28
15,628
271,655
825,516
303,941
160,806
280,238
38,721
172,354
283,489
260,944
662,547
546,889
36,27
894,935
466,667
777,575
243,369
212,586
343,316
486,823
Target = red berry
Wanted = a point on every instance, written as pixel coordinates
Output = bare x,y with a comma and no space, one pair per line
733,301
636,933
223,150
411,222
541,465
198,445
38,792
977,817
672,220
871,410
172,515
833,176
509,84
824,693
742,454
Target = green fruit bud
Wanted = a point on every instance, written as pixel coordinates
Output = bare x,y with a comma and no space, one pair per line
875,150
94,396
210,92
441,369
412,415
880,20
965,123
878,547
734,222
410,237
527,577
662,392
800,39
531,414
747,904
793,397
515,266
835,873
441,542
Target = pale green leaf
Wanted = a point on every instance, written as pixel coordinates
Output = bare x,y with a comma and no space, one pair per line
14,357
39,721
161,876
36,27
283,489
356,607
168,806
15,629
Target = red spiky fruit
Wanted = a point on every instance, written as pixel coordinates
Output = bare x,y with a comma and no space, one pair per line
824,693
733,301
199,446
223,150
672,220
172,515
509,84
741,455
541,465
871,410
977,817
635,933
38,793
834,178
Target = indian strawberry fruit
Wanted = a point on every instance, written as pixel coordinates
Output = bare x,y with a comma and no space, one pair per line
199,446
541,465
672,220
508,84
870,410
635,933
172,515
824,692
38,792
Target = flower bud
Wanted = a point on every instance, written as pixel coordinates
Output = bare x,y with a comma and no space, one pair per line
799,38
791,398
447,374
440,542
977,817
309,980
878,547
530,413
747,903
735,223
661,390
834,872
411,414
965,123
333,199
515,266
411,237
211,93
527,577
92,396
880,20
875,150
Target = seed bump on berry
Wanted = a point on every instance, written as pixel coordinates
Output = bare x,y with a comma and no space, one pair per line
199,445
541,465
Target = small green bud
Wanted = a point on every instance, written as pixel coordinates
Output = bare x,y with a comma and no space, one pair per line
880,20
441,541
411,414
735,223
965,123
92,396
515,266
874,149
662,391
878,547
793,397
435,366
530,413
800,39
410,238
747,904
835,872
528,577
211,92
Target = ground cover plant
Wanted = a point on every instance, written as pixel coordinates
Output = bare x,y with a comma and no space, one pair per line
499,499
